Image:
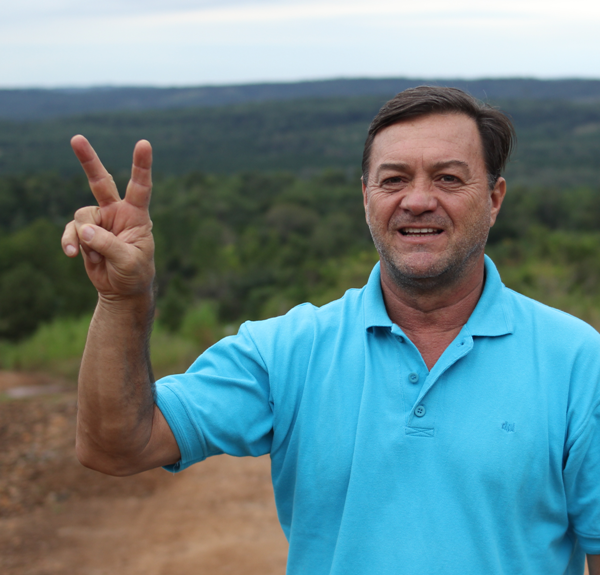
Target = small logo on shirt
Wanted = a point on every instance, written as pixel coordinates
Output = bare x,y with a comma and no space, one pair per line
508,427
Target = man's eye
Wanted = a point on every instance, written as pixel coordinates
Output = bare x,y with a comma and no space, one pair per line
448,179
395,180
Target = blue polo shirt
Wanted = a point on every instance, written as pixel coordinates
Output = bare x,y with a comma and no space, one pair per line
489,463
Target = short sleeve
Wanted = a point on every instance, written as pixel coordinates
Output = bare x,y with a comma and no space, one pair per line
582,484
222,404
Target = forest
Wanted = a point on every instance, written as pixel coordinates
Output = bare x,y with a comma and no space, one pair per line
559,140
257,207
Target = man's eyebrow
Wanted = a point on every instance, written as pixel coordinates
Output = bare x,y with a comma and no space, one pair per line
392,166
452,163
400,166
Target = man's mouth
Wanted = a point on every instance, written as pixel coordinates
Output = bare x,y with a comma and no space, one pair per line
420,231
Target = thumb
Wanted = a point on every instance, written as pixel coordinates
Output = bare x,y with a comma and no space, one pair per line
99,243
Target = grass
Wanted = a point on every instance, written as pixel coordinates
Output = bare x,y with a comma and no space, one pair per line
56,348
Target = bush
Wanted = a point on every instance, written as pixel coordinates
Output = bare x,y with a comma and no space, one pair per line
55,347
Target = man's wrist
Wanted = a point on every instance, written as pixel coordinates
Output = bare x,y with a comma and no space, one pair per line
139,303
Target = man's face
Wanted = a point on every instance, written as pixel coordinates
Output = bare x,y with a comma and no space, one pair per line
427,201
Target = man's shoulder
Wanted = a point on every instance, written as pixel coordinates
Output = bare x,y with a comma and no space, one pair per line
307,319
548,320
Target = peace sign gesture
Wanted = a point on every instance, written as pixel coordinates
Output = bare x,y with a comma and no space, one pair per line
115,237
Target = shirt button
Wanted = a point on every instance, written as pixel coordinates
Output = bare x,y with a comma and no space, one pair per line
420,411
413,377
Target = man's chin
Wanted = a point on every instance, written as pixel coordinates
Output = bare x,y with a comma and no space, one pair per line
427,272
420,268
423,275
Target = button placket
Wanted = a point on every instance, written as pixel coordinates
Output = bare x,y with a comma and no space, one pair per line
422,419
449,357
413,380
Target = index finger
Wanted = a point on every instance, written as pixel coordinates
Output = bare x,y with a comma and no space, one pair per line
101,182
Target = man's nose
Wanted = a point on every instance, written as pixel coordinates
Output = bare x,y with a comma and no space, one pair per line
419,198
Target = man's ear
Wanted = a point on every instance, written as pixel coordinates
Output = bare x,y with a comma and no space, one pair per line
497,197
364,192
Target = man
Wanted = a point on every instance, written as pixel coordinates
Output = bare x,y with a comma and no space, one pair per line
432,422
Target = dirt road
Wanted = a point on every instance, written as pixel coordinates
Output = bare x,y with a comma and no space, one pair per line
58,518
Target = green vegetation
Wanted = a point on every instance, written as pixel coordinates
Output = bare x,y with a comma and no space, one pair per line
558,268
299,136
55,347
275,218
36,284
559,141
228,249
250,246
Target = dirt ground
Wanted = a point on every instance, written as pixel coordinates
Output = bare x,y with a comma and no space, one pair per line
57,517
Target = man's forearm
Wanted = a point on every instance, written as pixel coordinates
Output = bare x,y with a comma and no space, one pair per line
593,564
116,401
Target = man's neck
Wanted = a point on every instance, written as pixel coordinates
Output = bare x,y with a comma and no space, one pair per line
432,318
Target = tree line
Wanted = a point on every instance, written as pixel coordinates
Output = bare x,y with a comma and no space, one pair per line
252,245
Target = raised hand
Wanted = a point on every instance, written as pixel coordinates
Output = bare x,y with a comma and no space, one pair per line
120,430
116,236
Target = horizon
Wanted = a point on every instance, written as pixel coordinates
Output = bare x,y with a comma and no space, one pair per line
91,87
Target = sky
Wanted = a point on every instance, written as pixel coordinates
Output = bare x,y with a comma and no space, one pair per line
80,43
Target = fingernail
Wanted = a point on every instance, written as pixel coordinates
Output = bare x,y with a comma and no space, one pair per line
70,250
88,233
95,257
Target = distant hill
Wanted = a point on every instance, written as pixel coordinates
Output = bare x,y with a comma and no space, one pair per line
290,135
43,104
559,141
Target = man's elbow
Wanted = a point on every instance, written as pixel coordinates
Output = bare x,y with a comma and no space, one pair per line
104,463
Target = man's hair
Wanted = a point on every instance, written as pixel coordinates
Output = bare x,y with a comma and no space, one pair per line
495,128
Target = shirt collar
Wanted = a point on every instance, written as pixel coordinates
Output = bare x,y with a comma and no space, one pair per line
491,316
375,313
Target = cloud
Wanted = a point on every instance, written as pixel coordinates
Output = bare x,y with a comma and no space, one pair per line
214,41
34,10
